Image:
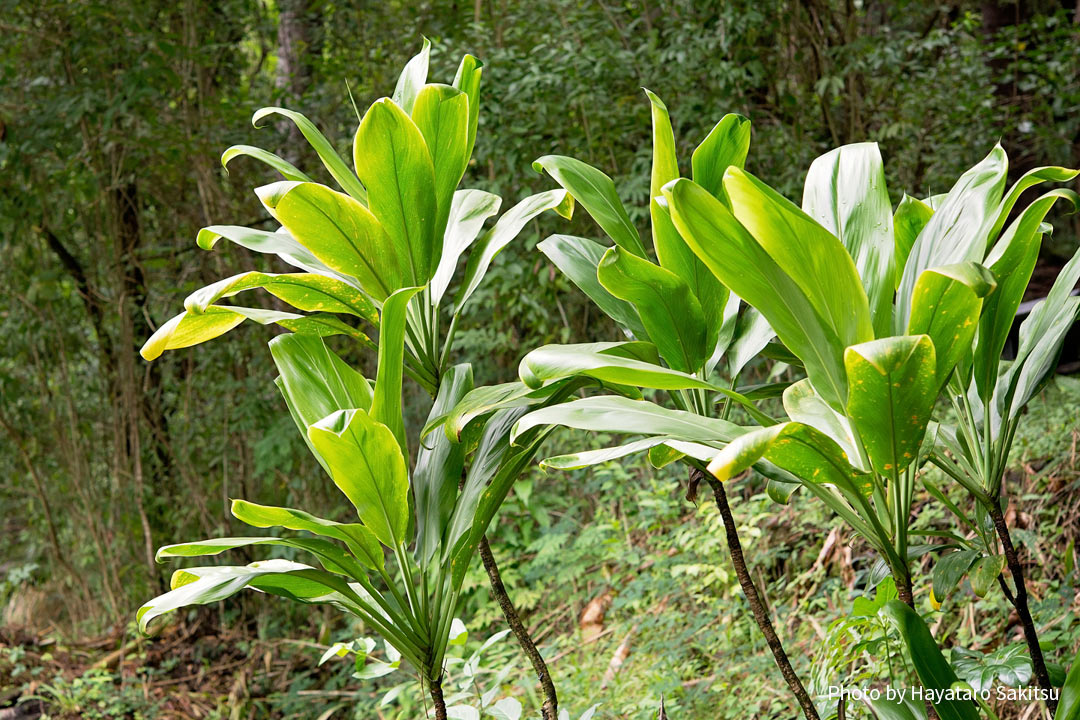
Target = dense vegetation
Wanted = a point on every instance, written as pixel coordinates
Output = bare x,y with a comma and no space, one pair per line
113,118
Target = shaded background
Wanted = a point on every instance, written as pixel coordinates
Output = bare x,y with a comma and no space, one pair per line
112,119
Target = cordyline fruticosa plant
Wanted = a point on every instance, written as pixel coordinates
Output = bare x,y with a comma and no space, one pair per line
689,338
384,251
885,313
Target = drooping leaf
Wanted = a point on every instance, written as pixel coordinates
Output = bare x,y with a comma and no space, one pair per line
286,168
366,463
804,405
506,228
331,556
949,569
596,193
187,329
439,464
468,211
845,192
393,162
276,243
578,258
304,291
341,233
984,573
955,233
667,307
330,159
442,114
892,386
489,398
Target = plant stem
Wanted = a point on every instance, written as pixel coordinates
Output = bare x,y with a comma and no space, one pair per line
550,709
752,596
435,688
1020,602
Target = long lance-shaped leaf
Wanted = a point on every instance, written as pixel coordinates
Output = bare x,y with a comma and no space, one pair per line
845,192
892,387
286,168
955,232
596,193
909,219
359,539
386,405
366,463
412,78
811,457
741,264
279,243
1011,262
340,232
946,305
490,398
393,162
805,406
468,80
1029,179
726,145
304,291
330,159
807,252
468,211
671,250
1069,702
578,258
187,329
316,381
506,228
439,463
667,307
623,415
750,333
442,114
588,458
331,556
930,665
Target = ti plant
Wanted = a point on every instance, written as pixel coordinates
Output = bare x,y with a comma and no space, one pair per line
383,251
688,337
988,397
884,311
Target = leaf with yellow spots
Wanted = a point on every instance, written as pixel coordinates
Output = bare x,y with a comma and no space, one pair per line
892,390
304,291
945,305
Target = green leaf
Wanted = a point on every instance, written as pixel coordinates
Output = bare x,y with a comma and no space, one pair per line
412,78
304,291
187,329
955,233
330,159
360,540
367,464
277,243
726,145
892,388
578,258
468,211
468,81
751,333
588,458
807,252
930,665
845,192
909,219
1011,262
439,464
949,569
1069,702
946,306
621,415
315,380
667,307
984,573
596,193
386,405
505,230
341,233
741,264
800,449
619,363
1031,178
393,162
442,114
1008,665
804,405
489,398
286,168
332,557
